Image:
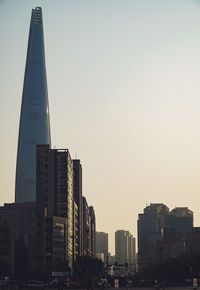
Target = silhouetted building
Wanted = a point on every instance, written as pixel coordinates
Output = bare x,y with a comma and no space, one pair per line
55,188
56,245
92,231
124,248
34,121
111,259
150,226
7,247
77,187
121,247
89,229
181,220
178,225
76,234
131,253
86,227
32,244
23,239
102,245
193,242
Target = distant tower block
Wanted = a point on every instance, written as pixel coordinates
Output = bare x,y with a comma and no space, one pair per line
34,120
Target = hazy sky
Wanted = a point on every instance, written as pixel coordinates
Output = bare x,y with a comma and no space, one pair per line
124,94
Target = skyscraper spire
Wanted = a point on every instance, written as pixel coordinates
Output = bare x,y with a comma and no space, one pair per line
34,120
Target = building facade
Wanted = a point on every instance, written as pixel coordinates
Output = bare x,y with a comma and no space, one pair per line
193,242
124,248
163,234
76,234
177,227
22,243
89,229
102,245
34,120
150,226
92,231
55,189
77,188
86,227
181,220
56,245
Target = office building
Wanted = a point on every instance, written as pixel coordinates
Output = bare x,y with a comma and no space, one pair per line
55,188
76,233
32,244
56,245
177,227
92,231
124,248
131,252
150,228
89,229
181,220
22,241
86,227
77,188
102,245
193,242
121,247
34,120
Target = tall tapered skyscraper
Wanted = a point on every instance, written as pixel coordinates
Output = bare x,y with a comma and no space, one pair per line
34,120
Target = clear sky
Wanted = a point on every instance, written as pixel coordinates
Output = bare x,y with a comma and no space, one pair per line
124,94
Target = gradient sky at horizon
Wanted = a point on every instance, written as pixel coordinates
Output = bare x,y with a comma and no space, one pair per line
124,92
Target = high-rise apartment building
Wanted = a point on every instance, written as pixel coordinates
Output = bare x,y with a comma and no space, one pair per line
150,226
55,188
34,120
124,248
131,251
102,245
121,247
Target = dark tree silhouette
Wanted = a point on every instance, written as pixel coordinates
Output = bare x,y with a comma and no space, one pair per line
88,269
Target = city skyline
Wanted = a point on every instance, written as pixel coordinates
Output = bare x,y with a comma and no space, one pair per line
123,81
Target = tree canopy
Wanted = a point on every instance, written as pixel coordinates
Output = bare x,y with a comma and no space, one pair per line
87,268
